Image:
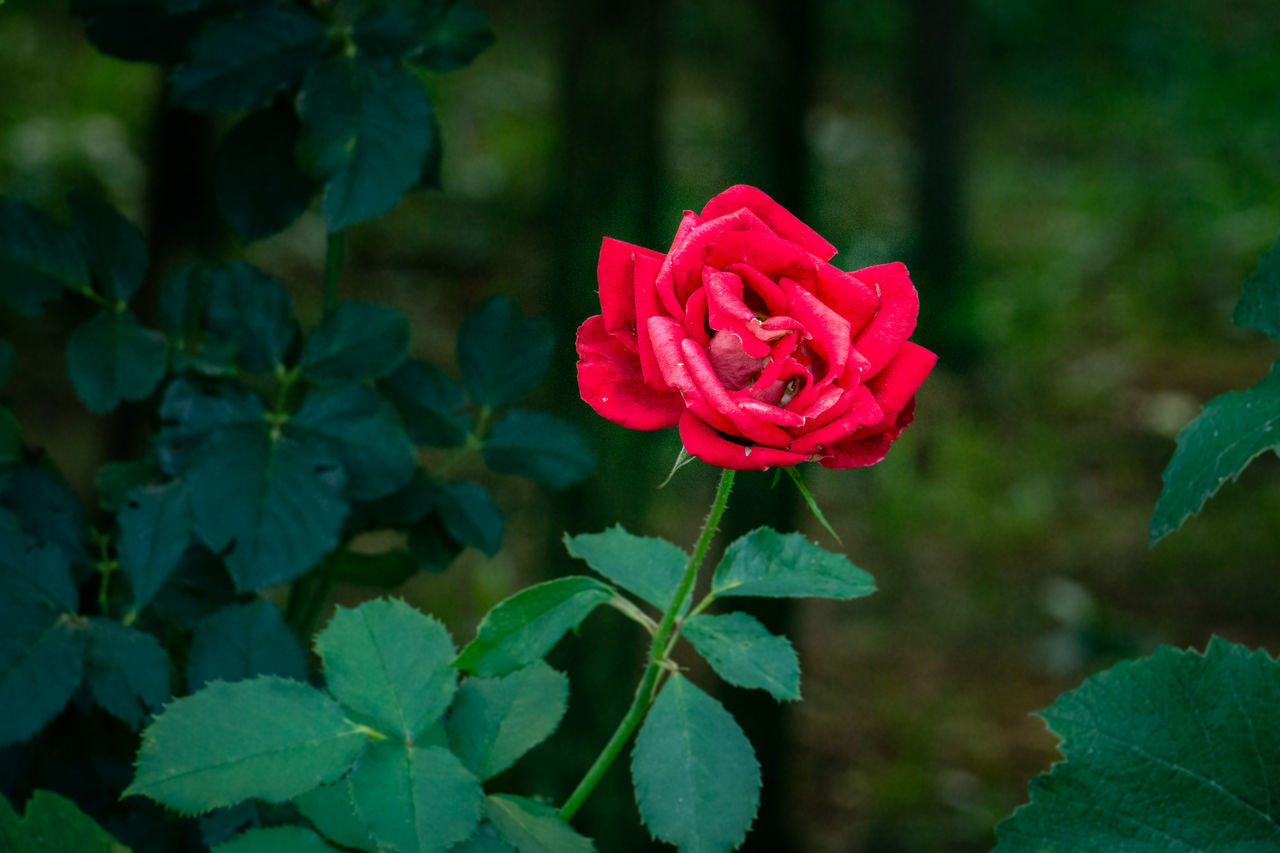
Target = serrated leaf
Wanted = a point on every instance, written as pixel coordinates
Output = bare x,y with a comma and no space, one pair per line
429,402
53,823
367,129
112,245
256,178
459,36
357,341
389,662
533,827
277,839
41,644
1259,305
268,738
648,566
526,626
786,565
470,515
242,641
502,356
156,526
113,358
239,63
250,308
696,777
494,721
364,433
1232,430
39,258
1175,751
542,447
485,840
332,810
745,654
126,671
416,799
272,503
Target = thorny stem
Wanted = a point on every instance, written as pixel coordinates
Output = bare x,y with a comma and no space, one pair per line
649,682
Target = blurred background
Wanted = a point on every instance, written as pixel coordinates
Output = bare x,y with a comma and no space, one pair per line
1079,190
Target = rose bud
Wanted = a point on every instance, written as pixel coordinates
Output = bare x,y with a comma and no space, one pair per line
743,335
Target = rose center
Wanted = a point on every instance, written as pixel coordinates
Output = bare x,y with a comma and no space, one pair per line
734,367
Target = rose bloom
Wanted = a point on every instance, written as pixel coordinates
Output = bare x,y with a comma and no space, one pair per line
747,338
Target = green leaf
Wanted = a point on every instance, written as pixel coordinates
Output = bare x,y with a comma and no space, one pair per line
485,840
1229,433
357,341
533,827
367,130
418,799
116,480
389,662
527,625
239,63
1259,305
41,663
39,258
332,810
243,641
363,432
470,515
494,721
113,246
745,654
502,356
260,188
456,39
250,308
268,738
1173,752
429,402
696,777
277,839
182,300
40,571
193,417
431,546
126,671
113,358
384,569
272,502
542,447
53,823
777,565
648,566
156,526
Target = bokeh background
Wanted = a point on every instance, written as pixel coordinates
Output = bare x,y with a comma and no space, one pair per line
1079,189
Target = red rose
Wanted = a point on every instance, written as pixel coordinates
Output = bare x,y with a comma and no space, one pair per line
742,334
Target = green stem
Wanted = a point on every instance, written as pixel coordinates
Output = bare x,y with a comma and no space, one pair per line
335,249
648,687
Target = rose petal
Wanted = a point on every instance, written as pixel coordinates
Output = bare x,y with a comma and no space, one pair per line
610,381
766,288
780,220
686,260
896,319
861,411
867,447
828,331
714,449
615,272
665,283
646,302
668,336
727,404
695,317
727,312
851,298
896,384
773,256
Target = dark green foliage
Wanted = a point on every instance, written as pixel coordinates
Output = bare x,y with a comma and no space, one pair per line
745,654
243,641
363,432
540,446
250,309
39,258
1180,747
786,565
455,38
648,566
501,355
1259,305
156,527
531,827
113,358
126,671
494,721
113,247
356,341
430,403
260,188
470,515
52,823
